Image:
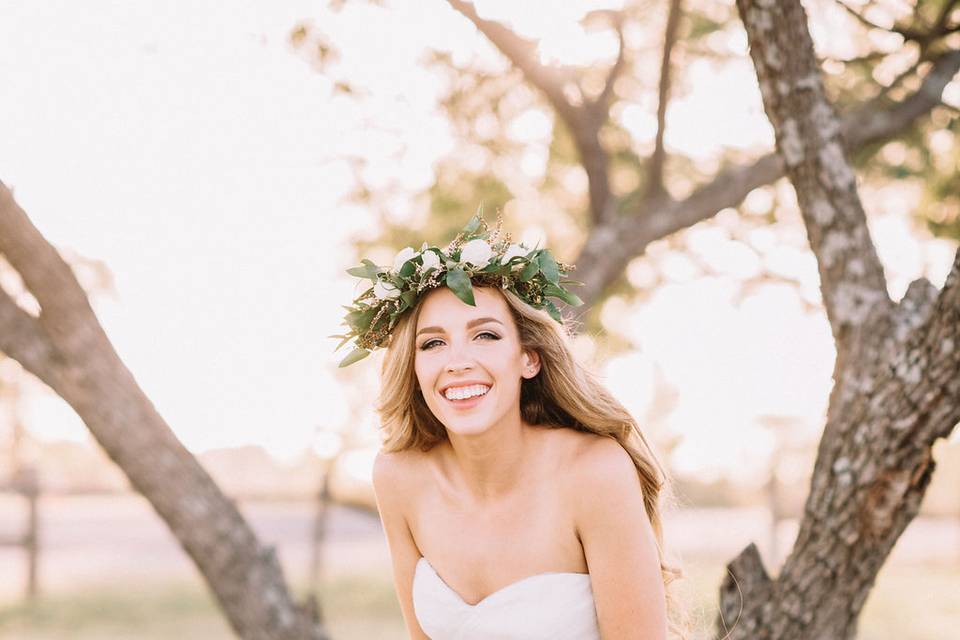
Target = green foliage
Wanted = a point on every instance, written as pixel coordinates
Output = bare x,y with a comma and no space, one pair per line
459,282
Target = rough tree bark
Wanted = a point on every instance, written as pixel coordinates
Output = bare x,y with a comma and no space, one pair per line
896,376
66,348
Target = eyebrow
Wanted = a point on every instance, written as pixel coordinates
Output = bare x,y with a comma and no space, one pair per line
470,324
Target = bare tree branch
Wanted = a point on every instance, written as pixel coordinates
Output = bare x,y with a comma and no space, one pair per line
24,339
872,124
859,17
602,101
245,576
522,53
583,120
655,187
601,261
922,36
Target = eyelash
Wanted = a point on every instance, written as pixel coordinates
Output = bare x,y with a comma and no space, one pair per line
425,346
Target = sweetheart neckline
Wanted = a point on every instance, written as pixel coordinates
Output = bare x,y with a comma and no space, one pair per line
501,589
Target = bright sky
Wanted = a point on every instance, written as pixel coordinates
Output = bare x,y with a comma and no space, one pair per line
195,152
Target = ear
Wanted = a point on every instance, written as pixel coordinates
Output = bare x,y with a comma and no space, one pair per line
531,364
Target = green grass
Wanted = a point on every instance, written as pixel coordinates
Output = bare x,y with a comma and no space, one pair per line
914,602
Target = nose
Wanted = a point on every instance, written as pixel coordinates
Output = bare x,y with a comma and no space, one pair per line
457,365
458,361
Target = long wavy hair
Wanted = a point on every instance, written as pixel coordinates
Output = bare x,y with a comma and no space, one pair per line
564,394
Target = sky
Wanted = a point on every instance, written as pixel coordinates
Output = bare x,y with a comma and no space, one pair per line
199,156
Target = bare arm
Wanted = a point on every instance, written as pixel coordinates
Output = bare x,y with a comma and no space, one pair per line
390,490
619,545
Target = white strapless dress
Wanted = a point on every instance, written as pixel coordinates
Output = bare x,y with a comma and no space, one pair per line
557,605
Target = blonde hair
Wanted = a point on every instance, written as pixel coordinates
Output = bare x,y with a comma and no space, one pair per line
563,394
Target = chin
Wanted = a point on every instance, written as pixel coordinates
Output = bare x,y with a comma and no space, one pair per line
467,427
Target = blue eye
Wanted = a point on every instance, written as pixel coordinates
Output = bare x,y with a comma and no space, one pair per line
426,346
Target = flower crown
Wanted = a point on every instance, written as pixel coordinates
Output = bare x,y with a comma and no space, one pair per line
475,255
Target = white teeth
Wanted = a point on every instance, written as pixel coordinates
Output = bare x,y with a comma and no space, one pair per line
460,393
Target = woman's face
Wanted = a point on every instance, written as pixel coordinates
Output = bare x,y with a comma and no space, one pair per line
470,350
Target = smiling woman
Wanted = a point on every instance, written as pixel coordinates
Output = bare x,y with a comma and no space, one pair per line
519,498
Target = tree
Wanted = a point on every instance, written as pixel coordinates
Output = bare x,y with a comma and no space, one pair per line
66,348
896,377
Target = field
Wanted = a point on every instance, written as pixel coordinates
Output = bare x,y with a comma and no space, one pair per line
111,571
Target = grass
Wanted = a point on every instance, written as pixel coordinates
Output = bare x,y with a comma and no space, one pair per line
915,602
355,607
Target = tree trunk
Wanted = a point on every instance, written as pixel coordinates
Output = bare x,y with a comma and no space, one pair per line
66,348
896,382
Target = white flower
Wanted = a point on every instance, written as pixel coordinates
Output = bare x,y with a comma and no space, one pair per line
385,290
430,260
405,254
476,252
513,251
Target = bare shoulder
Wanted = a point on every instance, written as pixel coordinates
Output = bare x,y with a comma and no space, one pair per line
389,465
395,471
586,454
598,463
588,462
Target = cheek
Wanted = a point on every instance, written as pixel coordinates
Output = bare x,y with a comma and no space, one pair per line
425,375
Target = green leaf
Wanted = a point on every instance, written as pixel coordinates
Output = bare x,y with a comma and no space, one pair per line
345,339
554,291
548,267
407,269
360,321
409,297
459,283
368,270
530,270
474,223
554,312
354,356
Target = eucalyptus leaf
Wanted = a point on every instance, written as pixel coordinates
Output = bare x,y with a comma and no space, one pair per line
407,269
342,342
360,321
459,283
556,292
548,267
354,356
554,312
367,270
530,270
474,223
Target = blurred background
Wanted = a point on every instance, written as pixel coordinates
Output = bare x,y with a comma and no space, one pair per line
211,170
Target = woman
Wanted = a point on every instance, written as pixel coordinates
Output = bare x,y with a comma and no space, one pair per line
519,498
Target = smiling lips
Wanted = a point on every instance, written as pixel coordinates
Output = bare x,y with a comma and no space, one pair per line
468,391
465,396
